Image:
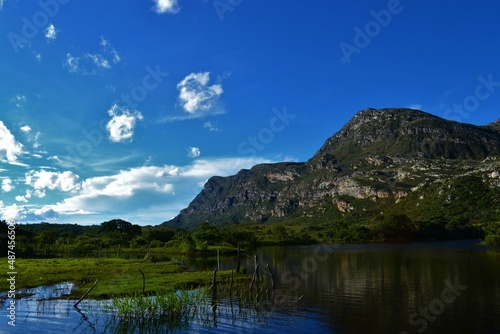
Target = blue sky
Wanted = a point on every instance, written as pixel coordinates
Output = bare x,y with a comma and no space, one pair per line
123,109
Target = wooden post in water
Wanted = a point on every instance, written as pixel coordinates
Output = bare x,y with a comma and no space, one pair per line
255,276
231,292
85,295
143,282
257,267
238,259
272,276
218,259
231,288
213,287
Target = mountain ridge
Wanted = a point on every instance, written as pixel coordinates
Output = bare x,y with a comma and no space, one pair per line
376,160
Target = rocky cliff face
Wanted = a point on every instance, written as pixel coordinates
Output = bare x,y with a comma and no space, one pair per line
378,158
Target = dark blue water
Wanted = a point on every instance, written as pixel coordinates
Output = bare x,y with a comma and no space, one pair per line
443,287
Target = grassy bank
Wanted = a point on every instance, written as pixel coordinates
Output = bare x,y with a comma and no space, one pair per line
117,277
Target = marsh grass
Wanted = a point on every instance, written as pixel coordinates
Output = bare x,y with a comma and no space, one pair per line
170,310
167,309
117,277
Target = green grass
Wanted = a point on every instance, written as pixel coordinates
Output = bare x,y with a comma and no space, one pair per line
166,307
117,277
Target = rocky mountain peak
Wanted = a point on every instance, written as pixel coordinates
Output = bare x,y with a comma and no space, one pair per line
380,156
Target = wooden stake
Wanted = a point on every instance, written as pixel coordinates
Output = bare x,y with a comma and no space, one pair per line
85,295
255,273
272,276
213,287
231,286
218,259
143,282
238,259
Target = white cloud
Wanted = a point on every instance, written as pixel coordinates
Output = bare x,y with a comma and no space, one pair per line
196,95
122,123
51,32
144,194
166,6
26,214
88,62
21,199
38,193
63,181
193,152
7,185
31,137
72,63
204,168
211,126
109,51
10,148
99,60
18,100
38,56
415,106
128,188
1,4
139,190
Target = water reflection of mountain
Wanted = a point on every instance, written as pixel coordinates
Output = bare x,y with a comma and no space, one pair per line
378,287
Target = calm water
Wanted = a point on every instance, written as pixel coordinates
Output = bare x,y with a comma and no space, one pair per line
445,287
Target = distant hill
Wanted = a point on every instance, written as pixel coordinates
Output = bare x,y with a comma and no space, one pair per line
383,160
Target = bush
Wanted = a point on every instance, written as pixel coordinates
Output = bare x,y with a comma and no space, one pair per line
492,240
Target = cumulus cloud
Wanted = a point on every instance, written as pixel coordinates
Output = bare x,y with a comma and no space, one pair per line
21,199
194,152
196,95
127,189
122,123
26,128
146,188
27,214
64,181
10,148
50,32
7,185
145,194
166,6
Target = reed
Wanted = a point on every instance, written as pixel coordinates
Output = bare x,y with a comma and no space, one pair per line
164,307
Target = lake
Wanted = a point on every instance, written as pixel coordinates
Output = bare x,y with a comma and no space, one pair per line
440,287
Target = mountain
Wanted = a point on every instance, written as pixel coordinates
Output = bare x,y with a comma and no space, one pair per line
383,160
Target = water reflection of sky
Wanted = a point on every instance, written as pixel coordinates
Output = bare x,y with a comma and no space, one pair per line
40,313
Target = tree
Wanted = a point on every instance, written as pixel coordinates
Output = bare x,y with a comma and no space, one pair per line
206,234
121,226
280,232
396,227
158,233
241,237
185,242
46,239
